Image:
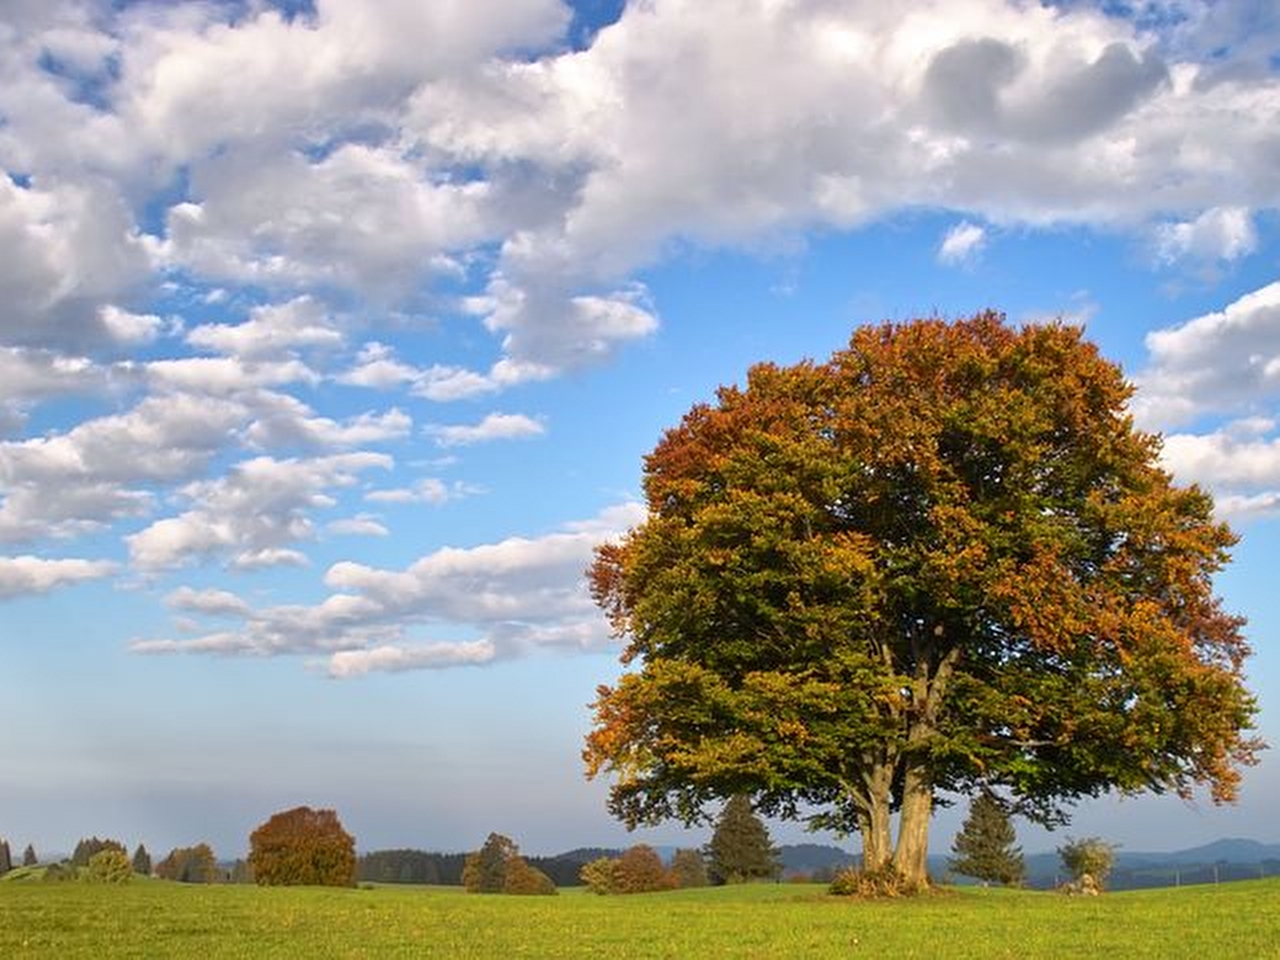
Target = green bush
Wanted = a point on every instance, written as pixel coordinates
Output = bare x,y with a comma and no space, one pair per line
109,866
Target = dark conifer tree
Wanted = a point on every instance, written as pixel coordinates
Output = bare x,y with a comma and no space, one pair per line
142,861
985,846
740,849
29,858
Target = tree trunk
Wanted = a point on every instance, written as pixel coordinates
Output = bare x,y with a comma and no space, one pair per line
911,858
875,821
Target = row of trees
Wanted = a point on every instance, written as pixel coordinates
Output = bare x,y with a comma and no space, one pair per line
303,846
298,846
739,851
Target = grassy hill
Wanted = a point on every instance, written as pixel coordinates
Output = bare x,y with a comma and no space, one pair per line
161,919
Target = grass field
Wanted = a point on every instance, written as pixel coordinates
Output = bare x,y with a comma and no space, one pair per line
159,919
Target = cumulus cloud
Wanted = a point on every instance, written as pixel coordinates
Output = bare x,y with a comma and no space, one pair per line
130,328
270,331
26,574
254,515
962,244
495,426
361,525
427,490
99,471
517,595
395,659
1227,361
1214,383
210,602
1220,233
370,153
282,421
377,368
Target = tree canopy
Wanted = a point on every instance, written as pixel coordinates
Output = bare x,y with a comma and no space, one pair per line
303,846
944,559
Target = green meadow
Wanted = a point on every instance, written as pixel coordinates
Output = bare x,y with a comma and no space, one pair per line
162,919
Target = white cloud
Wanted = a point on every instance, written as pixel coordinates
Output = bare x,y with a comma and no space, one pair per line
495,426
226,375
427,490
367,152
130,328
1220,233
962,244
361,525
394,659
214,603
26,574
377,368
67,245
518,595
253,515
1239,464
28,376
270,331
1223,362
282,421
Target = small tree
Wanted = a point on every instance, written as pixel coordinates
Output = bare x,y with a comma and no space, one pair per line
29,858
486,870
1089,862
303,847
599,875
109,865
524,879
740,850
497,867
984,848
641,870
142,861
189,865
690,868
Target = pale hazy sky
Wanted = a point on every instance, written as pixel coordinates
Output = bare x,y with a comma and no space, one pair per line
332,336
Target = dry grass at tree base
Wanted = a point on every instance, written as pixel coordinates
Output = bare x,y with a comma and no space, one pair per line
159,919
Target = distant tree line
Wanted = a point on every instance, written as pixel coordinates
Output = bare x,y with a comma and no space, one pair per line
445,869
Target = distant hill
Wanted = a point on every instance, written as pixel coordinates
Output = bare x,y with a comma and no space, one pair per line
816,860
1216,862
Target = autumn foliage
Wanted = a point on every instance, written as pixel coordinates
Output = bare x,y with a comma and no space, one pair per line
497,867
303,847
944,559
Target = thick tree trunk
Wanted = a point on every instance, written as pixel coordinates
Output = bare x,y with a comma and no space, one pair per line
911,857
875,821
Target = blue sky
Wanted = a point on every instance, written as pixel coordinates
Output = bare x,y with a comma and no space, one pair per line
333,335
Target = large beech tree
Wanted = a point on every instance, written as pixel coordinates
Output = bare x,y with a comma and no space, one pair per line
943,560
